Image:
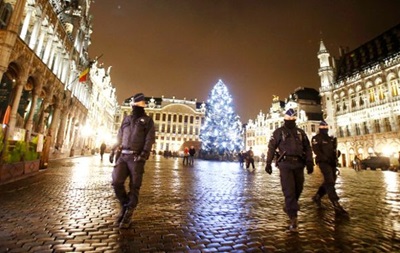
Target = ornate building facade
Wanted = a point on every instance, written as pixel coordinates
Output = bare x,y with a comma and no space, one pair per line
305,101
100,121
177,121
43,49
361,97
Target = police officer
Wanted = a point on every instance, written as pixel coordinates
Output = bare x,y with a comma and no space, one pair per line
325,150
293,154
135,137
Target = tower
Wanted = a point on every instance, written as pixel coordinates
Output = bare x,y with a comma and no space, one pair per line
326,75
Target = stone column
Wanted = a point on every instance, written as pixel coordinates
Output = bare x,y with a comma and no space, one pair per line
19,85
29,122
43,109
44,159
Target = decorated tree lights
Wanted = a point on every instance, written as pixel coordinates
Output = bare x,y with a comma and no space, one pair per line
221,131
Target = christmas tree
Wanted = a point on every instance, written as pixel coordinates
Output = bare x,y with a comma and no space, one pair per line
221,131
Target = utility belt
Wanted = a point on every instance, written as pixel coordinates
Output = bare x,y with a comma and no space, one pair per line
129,152
292,158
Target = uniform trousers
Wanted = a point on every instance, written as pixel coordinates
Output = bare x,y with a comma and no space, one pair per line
125,167
292,181
328,186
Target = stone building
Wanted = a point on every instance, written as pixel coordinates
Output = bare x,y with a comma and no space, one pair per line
103,107
307,103
43,49
177,121
361,96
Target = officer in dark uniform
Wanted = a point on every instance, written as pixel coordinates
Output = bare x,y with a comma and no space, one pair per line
293,154
325,150
135,137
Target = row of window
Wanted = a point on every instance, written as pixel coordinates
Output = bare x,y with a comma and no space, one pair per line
171,139
177,129
175,118
374,94
376,126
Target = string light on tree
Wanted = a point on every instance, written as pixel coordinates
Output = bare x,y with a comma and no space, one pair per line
221,131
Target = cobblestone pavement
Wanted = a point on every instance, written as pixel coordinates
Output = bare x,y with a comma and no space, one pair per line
208,207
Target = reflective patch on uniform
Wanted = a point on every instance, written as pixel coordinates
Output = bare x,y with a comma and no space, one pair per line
314,141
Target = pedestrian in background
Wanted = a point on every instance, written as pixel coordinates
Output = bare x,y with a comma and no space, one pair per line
186,156
295,153
102,150
250,158
325,150
241,158
357,163
192,152
136,137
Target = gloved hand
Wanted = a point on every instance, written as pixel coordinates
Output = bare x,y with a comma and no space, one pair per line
111,157
142,157
310,168
268,168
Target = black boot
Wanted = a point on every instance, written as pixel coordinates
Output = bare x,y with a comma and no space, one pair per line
126,220
317,200
121,214
293,225
339,209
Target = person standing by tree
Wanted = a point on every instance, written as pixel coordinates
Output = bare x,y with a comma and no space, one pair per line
325,149
294,153
136,137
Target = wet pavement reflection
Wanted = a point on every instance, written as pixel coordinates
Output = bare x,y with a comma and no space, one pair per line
207,207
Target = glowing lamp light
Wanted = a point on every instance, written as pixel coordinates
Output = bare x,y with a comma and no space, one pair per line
388,151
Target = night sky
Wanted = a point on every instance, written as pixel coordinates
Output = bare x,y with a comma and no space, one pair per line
258,48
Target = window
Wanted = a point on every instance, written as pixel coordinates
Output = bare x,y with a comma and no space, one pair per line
313,128
388,127
394,86
366,130
341,132
382,92
377,126
361,101
353,101
371,95
358,130
157,116
5,14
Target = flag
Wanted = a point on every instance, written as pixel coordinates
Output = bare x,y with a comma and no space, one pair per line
83,75
6,117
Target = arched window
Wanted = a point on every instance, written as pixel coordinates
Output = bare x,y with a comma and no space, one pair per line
371,95
394,88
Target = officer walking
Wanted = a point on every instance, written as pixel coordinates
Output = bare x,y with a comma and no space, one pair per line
325,149
294,153
135,137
